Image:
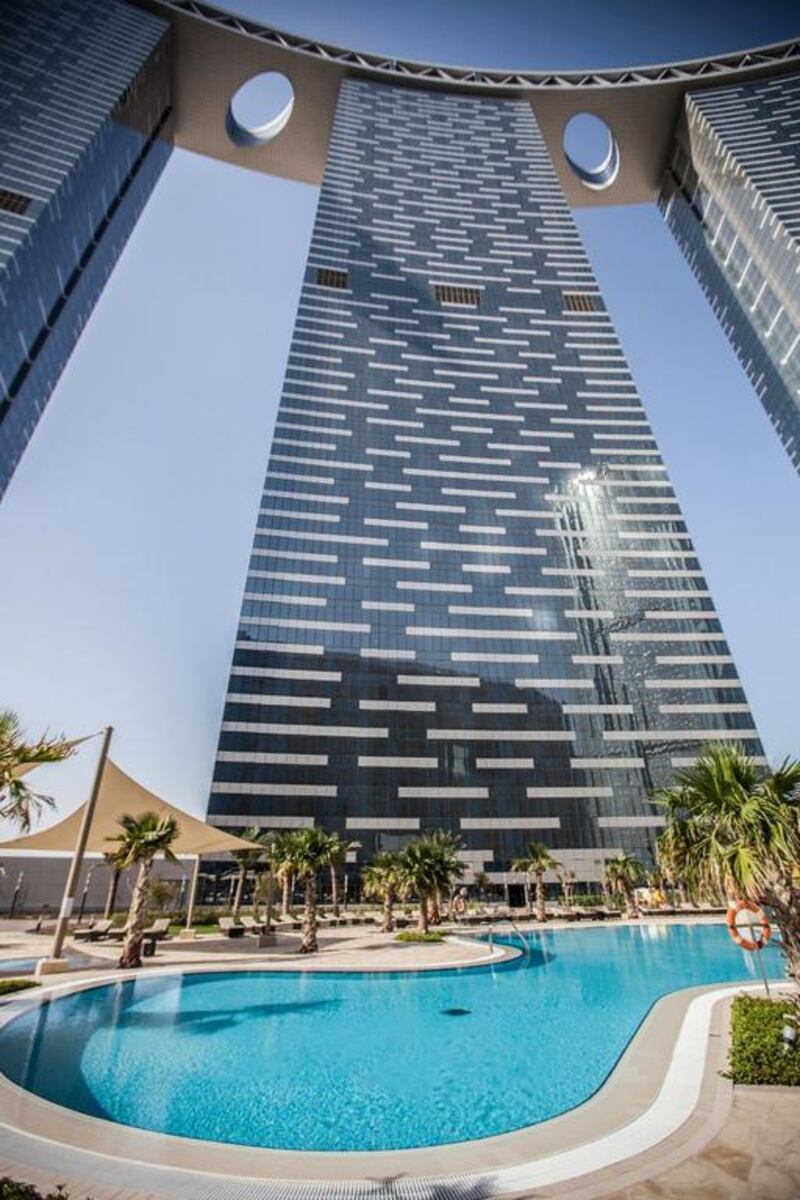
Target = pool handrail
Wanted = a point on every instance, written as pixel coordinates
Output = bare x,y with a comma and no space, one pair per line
526,949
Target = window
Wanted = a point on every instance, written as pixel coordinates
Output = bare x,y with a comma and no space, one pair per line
448,293
581,302
331,278
14,202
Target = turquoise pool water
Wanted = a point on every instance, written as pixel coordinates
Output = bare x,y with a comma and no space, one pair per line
332,1061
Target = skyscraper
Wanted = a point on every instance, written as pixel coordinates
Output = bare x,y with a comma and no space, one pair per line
732,200
86,98
472,600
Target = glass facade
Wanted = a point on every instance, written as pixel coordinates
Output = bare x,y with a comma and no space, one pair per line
732,199
86,96
472,600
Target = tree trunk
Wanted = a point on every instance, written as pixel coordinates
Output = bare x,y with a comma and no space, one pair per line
528,896
785,905
237,899
388,924
270,901
334,889
286,889
309,943
111,898
422,923
631,907
541,911
436,907
134,928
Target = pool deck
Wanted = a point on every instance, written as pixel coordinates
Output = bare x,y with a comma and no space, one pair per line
665,1124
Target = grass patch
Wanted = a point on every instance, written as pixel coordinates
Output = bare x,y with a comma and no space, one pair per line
414,935
176,928
757,1055
7,986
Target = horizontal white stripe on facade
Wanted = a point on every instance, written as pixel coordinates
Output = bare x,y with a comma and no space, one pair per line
504,764
510,823
387,823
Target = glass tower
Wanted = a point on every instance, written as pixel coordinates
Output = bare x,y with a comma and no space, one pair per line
472,600
732,200
86,96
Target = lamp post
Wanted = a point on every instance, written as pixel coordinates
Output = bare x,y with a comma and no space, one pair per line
17,889
187,933
85,892
56,962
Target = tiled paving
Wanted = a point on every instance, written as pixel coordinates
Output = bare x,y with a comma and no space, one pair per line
756,1156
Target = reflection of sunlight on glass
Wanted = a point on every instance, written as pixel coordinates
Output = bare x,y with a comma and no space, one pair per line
584,478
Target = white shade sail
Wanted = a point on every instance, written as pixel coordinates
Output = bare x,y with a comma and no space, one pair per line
119,794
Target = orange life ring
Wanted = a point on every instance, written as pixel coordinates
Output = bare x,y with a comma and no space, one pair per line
748,943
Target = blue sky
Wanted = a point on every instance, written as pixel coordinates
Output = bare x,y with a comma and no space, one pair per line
126,532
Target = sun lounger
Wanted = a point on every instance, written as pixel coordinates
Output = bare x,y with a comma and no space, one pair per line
96,931
251,925
230,928
159,929
565,914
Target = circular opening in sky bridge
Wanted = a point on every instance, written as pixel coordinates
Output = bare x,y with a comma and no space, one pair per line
260,109
591,150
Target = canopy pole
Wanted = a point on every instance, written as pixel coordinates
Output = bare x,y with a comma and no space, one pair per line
56,961
187,931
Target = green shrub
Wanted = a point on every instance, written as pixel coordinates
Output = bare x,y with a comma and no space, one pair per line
7,986
414,935
757,1054
12,1189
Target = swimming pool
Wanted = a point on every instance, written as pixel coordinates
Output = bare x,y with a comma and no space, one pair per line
26,966
363,1061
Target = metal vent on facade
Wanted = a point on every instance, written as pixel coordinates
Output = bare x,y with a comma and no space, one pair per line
331,277
14,202
581,302
447,293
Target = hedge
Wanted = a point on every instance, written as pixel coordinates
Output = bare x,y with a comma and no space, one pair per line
12,1189
757,1054
7,986
414,935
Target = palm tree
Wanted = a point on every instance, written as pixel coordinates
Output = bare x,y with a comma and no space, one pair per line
733,827
537,860
429,867
338,850
308,854
265,882
417,872
142,838
669,856
246,859
384,880
18,803
113,863
567,881
622,874
284,868
481,882
446,847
